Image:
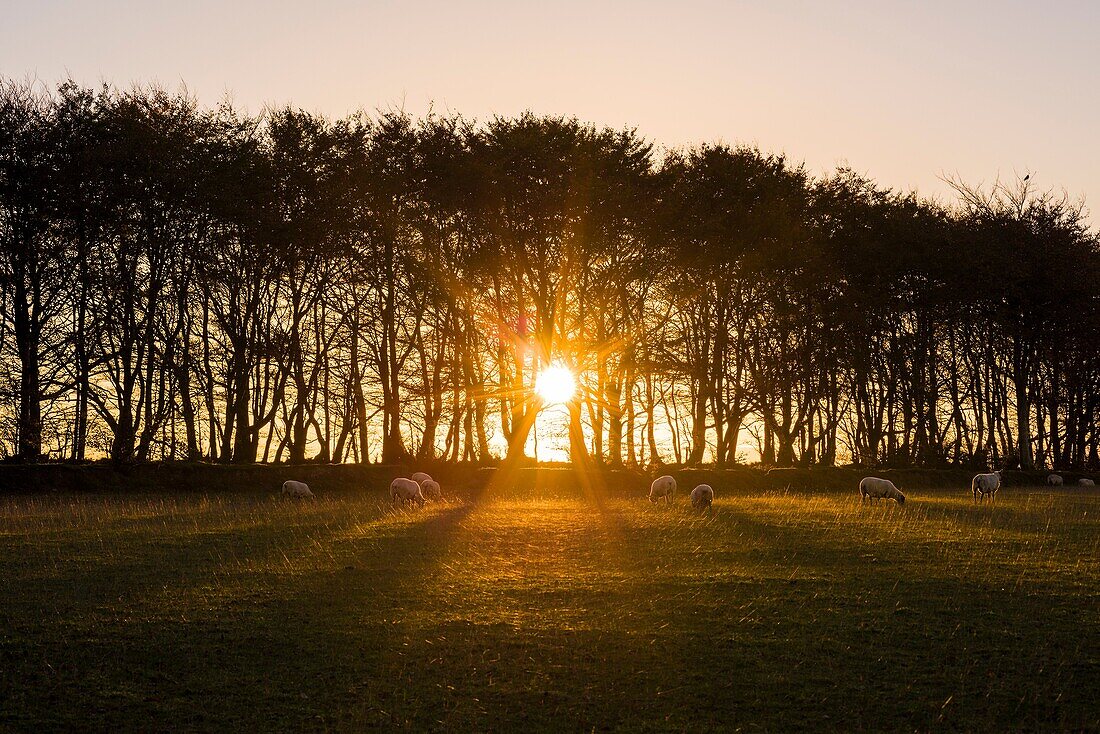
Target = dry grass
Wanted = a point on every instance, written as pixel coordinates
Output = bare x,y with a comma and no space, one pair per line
777,612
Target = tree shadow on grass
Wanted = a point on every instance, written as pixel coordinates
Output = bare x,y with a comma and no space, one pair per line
152,631
615,620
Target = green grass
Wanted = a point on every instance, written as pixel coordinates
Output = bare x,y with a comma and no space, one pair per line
778,613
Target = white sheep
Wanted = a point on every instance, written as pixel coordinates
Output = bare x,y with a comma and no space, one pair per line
297,490
876,489
702,497
431,490
405,490
420,477
1086,482
663,486
1054,480
984,484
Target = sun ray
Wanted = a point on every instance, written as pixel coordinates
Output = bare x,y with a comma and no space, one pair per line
556,384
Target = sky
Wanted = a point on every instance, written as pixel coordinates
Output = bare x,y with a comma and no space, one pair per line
905,92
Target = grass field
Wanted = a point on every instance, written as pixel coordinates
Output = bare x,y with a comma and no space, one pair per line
778,613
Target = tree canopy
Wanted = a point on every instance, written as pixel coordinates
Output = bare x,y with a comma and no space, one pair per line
187,283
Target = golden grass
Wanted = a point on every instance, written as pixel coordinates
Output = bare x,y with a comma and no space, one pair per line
776,611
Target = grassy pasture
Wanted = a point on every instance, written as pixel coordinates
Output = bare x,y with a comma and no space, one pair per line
547,610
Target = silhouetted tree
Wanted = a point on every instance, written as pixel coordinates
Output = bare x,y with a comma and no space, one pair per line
177,282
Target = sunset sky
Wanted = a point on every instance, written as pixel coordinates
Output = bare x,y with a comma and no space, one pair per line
905,92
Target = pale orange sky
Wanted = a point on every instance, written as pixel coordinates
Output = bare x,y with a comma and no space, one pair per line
902,91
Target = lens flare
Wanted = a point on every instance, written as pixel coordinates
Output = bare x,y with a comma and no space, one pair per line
555,384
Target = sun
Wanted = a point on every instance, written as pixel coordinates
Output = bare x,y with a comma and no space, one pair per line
555,384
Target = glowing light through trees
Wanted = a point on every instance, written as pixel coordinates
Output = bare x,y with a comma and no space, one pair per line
555,385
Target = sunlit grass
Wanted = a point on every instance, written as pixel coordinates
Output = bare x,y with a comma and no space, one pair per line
778,611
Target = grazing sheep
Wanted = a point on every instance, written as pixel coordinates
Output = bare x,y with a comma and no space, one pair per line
406,490
420,477
297,490
702,497
663,486
984,484
876,489
1054,480
431,490
1086,482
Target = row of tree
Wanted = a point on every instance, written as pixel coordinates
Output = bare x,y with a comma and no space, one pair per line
188,283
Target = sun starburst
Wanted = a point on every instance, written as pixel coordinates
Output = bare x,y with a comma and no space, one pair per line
555,384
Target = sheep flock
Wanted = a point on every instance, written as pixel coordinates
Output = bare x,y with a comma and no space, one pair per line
420,488
663,489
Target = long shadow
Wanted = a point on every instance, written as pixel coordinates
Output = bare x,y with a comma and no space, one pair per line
407,641
160,667
811,656
908,641
359,645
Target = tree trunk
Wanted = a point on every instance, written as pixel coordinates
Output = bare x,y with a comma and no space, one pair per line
1023,405
29,426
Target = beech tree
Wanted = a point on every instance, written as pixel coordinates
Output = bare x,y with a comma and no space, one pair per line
187,283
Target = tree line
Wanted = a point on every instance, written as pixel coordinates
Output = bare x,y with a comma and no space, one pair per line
190,283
